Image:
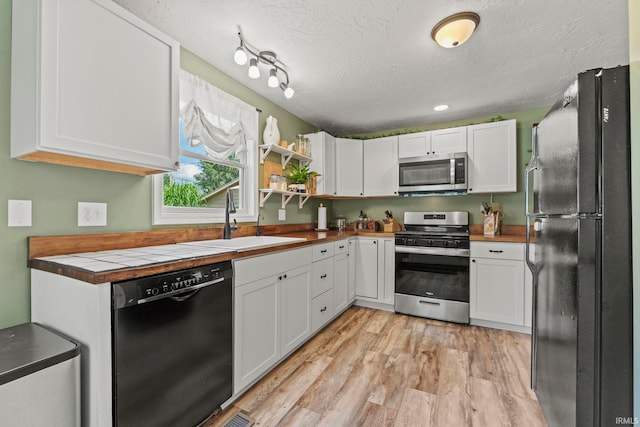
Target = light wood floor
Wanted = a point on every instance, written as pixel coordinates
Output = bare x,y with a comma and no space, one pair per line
377,368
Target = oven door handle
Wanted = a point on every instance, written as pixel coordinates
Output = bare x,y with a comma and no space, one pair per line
432,251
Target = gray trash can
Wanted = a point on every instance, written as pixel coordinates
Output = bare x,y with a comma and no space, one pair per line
39,378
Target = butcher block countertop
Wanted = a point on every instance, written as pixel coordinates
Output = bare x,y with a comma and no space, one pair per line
509,234
50,253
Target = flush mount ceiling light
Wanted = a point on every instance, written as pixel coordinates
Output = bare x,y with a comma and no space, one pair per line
263,57
456,29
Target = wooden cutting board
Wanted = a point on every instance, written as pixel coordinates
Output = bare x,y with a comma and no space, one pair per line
270,167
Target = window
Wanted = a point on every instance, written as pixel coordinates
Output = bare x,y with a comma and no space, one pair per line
218,152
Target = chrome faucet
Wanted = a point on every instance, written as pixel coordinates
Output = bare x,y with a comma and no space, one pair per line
229,208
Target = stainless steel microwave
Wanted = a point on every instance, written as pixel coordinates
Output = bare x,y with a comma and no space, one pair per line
442,173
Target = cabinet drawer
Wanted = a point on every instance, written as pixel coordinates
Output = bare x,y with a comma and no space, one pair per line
321,310
246,270
514,251
340,247
321,276
322,251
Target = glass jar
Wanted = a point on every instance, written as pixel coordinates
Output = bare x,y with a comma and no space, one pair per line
274,182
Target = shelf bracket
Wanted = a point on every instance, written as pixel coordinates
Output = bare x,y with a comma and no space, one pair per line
284,158
286,197
264,196
264,152
302,199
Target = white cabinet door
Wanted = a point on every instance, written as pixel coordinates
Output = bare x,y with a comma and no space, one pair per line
381,166
497,290
341,281
389,274
414,145
452,140
351,284
323,152
256,330
82,95
295,313
492,157
349,167
367,268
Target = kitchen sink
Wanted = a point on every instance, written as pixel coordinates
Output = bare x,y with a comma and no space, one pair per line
246,243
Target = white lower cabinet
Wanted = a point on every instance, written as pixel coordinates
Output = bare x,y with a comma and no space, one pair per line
367,267
497,285
256,330
272,311
322,285
351,283
375,271
295,307
341,275
322,310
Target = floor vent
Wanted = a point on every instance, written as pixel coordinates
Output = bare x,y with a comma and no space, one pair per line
239,420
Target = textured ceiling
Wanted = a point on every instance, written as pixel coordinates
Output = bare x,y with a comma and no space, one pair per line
361,65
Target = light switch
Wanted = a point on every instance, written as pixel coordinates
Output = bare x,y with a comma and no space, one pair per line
282,215
19,213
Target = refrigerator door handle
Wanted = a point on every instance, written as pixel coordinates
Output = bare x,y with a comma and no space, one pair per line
534,267
531,167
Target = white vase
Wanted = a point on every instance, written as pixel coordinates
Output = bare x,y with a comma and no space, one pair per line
271,134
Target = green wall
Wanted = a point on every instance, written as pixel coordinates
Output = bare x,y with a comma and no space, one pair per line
634,61
512,203
55,190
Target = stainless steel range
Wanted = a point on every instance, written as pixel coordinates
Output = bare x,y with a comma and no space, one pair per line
432,266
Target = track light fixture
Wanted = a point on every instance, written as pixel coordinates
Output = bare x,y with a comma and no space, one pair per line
265,57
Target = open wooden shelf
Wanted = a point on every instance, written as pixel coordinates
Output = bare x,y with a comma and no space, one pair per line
265,193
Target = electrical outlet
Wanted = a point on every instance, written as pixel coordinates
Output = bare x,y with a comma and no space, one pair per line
282,215
92,214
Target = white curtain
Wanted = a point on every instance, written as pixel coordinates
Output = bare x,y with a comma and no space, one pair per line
220,122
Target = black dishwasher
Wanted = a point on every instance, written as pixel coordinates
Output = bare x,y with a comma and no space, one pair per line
172,346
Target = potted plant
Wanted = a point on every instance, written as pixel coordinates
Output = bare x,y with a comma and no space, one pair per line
300,176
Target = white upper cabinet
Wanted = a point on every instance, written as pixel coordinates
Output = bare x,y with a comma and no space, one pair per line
323,152
381,166
433,143
492,157
93,86
451,140
349,167
414,145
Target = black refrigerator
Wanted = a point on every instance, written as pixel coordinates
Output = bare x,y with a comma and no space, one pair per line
581,367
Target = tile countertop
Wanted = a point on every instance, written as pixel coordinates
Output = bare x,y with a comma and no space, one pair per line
129,263
138,258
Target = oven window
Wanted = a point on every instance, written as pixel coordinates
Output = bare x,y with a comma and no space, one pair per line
433,172
433,276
